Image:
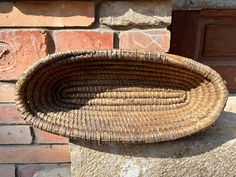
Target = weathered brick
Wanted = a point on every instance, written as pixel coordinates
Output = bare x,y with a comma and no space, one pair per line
19,49
146,40
28,170
6,92
136,13
46,13
54,172
42,137
69,40
7,171
15,134
35,154
44,170
10,115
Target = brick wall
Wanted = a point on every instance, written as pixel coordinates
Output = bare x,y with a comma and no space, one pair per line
30,30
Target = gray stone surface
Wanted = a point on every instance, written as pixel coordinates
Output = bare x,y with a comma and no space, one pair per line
209,153
136,13
53,172
203,4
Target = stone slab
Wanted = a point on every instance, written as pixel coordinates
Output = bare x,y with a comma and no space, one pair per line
136,13
203,4
209,153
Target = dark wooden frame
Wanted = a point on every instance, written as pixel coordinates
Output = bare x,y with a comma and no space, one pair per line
208,36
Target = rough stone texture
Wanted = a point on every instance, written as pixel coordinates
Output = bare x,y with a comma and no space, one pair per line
209,153
10,115
42,137
72,40
19,49
48,13
136,13
203,4
17,134
146,40
7,171
43,170
6,92
35,154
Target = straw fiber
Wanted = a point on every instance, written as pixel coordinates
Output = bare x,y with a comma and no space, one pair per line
114,95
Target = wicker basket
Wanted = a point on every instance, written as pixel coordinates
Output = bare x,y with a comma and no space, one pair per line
115,95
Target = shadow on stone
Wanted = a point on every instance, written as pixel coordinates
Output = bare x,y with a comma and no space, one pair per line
213,137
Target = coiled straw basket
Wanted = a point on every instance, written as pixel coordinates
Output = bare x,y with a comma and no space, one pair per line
115,95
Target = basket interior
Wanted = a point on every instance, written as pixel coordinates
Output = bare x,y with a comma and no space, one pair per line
128,99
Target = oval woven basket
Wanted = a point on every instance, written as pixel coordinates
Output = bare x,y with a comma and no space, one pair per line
115,95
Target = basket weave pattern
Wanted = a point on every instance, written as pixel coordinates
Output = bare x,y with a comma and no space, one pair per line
115,95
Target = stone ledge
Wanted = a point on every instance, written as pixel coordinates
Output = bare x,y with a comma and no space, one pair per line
203,4
118,14
209,153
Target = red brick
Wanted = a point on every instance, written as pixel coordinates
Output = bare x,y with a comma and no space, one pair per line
19,49
35,170
35,154
47,13
6,92
69,40
42,137
10,115
7,170
146,40
15,134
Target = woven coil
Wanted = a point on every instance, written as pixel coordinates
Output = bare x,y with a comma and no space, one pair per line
115,95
